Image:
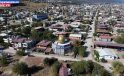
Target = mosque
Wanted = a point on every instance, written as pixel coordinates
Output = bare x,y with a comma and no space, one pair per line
61,46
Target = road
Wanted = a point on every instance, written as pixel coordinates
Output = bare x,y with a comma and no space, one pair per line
90,40
68,58
64,58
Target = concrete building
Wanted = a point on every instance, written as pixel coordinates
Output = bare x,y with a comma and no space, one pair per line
106,54
61,46
23,43
75,24
105,38
75,37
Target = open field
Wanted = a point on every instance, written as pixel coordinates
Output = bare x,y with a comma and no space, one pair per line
31,6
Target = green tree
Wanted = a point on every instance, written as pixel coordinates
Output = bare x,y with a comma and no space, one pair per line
119,39
76,52
94,34
77,43
3,60
50,61
20,68
20,53
118,67
26,31
1,40
99,70
91,65
37,24
54,70
80,67
82,51
35,35
96,55
48,35
77,68
79,50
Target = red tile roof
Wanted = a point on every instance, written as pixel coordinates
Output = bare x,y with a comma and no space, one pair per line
19,40
105,37
48,50
102,31
101,43
44,43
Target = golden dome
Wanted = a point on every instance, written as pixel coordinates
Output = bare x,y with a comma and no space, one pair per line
61,39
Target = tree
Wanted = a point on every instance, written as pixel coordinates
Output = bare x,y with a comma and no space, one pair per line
118,67
37,24
1,40
94,34
20,53
26,31
79,50
54,70
20,68
82,51
119,39
77,43
48,35
35,35
3,60
91,65
50,61
99,70
75,49
80,67
96,55
77,68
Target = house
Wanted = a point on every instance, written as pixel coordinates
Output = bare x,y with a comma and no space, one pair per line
106,54
40,16
102,31
75,24
105,38
76,37
59,27
119,27
103,26
23,43
109,45
44,46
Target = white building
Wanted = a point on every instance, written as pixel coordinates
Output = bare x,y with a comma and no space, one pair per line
106,54
61,46
75,36
75,24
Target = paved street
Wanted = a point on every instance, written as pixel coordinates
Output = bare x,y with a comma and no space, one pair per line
89,41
